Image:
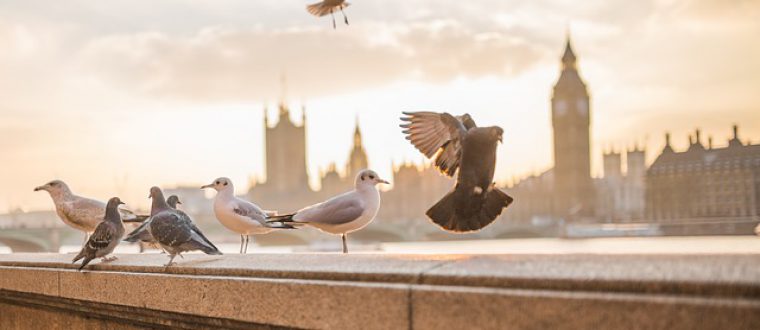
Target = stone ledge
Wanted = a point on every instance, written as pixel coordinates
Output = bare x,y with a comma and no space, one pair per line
402,291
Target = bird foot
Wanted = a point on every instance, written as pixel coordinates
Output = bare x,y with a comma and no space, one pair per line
108,259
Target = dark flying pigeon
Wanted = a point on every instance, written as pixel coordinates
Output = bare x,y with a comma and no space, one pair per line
174,230
106,236
457,144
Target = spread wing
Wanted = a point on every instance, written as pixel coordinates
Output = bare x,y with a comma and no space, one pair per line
438,136
338,210
323,8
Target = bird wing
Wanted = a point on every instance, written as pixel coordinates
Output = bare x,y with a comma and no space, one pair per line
102,236
168,228
319,9
335,211
84,211
438,136
249,210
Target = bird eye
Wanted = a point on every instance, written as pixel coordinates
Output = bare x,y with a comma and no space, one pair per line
216,182
372,177
225,183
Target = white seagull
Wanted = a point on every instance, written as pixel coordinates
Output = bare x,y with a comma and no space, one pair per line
240,216
342,214
325,7
81,213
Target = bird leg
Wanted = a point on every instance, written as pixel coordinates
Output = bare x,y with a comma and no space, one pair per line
242,240
247,238
345,18
345,247
333,18
86,237
171,259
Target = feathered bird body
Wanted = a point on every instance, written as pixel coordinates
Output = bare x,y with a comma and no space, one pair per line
459,147
106,236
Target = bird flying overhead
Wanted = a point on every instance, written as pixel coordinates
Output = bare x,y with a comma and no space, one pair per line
81,213
174,230
239,215
325,7
106,237
344,213
458,146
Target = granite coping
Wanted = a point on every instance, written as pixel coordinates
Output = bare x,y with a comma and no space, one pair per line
735,275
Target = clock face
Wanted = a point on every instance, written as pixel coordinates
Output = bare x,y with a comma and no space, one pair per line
560,107
582,107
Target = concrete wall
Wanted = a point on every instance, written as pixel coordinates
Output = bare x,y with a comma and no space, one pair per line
362,291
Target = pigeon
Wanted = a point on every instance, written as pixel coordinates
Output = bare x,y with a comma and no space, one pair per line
241,216
79,212
142,234
325,7
174,230
344,213
458,146
106,237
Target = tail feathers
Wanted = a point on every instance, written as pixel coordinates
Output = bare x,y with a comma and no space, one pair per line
85,262
79,256
202,244
141,234
281,218
280,225
445,214
137,218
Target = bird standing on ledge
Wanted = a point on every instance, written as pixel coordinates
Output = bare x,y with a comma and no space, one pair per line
106,236
456,144
342,214
325,7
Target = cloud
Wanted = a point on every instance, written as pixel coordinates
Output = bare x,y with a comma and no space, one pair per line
241,64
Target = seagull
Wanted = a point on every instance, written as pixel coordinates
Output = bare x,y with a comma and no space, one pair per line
142,234
239,215
81,213
174,230
325,7
345,213
107,235
458,145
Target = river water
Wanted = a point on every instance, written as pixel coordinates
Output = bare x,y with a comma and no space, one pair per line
616,245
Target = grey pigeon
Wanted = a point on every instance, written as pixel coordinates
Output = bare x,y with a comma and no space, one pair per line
81,213
456,144
342,214
174,230
106,236
142,234
325,7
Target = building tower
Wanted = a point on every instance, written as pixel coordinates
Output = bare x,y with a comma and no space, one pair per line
573,189
286,153
357,160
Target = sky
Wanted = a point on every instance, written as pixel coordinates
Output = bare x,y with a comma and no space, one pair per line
116,96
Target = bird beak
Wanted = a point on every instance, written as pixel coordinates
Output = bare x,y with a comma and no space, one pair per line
383,181
501,139
39,188
178,202
210,185
122,203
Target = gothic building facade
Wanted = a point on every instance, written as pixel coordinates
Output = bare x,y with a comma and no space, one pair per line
704,182
571,122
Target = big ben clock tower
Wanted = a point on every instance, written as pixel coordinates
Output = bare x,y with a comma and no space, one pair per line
571,121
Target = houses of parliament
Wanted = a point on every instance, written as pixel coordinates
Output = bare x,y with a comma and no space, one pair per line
701,182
